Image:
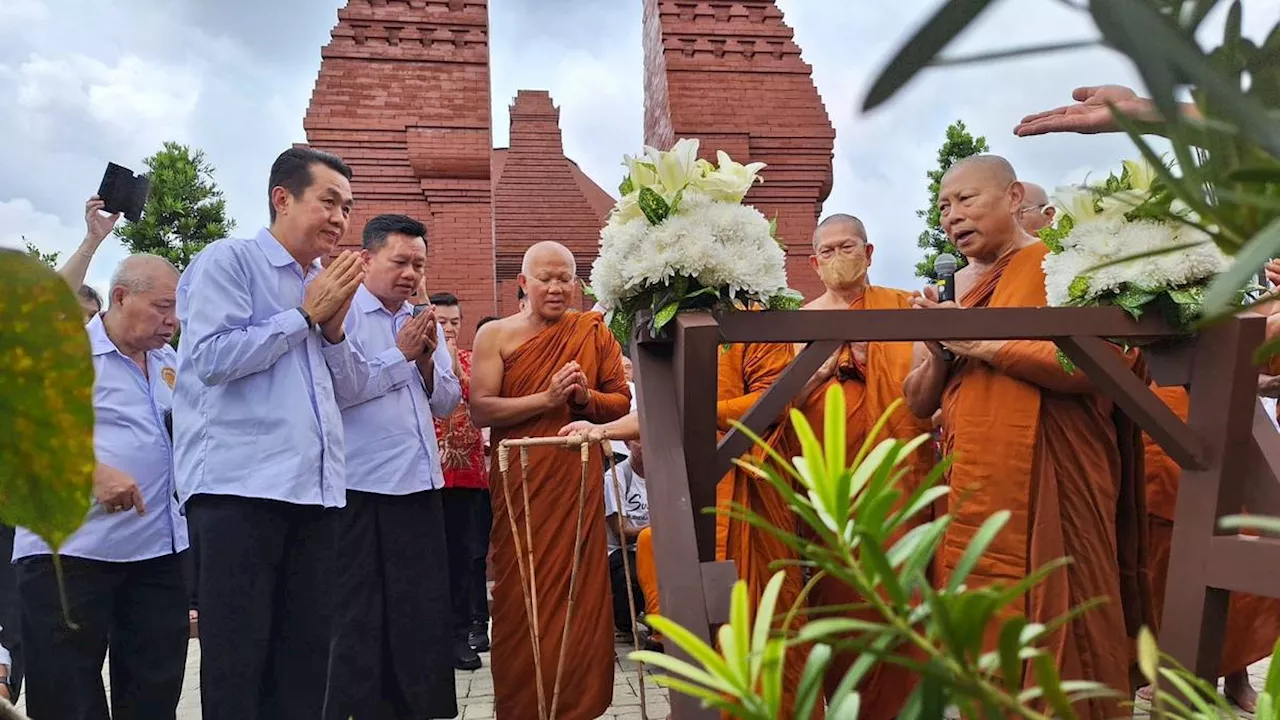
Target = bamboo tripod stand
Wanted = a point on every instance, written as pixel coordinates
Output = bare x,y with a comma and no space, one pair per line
524,556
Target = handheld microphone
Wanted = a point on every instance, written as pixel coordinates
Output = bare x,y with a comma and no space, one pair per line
944,267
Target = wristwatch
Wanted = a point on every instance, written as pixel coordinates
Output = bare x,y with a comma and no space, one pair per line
305,316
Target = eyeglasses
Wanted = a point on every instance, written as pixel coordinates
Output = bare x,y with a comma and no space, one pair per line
1037,208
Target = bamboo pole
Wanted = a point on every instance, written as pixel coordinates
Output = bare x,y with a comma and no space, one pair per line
504,466
585,451
607,449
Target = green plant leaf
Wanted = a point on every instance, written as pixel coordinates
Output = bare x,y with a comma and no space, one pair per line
811,680
1009,647
627,187
665,314
1148,654
655,209
914,55
46,402
977,546
708,697
1047,677
764,619
827,629
1256,252
1250,522
692,645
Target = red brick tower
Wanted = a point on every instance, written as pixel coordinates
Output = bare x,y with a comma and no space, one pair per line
403,97
730,73
539,194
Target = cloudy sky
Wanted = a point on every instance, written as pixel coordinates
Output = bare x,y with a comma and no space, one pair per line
90,82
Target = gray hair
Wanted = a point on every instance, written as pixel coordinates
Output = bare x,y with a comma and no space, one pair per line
137,273
840,220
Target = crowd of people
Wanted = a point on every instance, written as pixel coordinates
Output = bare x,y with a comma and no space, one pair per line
307,479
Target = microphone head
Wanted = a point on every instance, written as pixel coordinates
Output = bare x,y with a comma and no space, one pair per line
945,264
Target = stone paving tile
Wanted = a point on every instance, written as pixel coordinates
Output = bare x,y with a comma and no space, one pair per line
475,691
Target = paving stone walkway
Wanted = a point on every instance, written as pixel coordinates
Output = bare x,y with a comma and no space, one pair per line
475,691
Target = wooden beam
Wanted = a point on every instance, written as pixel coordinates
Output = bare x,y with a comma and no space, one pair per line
1262,489
1237,563
769,408
697,353
1102,362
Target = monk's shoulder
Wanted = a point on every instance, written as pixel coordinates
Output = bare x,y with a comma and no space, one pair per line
499,336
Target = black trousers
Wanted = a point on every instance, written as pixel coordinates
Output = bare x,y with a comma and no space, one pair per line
136,611
265,588
10,622
392,646
467,521
618,580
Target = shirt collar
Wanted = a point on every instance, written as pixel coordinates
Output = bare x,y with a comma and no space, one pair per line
367,302
275,252
99,342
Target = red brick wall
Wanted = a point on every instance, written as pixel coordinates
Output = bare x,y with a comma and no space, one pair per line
730,73
539,194
403,97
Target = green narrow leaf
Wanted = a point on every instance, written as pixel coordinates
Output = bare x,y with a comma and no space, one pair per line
1050,685
1256,252
954,60
938,32
1009,648
1148,654
833,432
811,680
707,697
665,314
627,187
977,546
1250,522
764,620
691,644
683,669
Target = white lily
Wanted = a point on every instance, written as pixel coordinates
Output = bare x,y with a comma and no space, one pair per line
677,167
1076,202
1141,174
642,172
731,181
1119,203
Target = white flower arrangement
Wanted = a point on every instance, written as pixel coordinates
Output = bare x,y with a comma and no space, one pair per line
681,239
1127,242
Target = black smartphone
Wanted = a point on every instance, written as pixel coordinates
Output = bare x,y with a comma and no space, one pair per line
124,192
419,309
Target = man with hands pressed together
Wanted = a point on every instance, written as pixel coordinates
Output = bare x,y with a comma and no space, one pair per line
533,373
391,651
258,441
1030,438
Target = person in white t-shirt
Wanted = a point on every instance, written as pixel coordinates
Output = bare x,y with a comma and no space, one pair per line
634,518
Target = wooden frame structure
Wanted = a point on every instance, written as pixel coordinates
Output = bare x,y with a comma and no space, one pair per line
1228,448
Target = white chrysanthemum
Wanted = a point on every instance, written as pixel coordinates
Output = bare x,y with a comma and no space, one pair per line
1095,247
718,244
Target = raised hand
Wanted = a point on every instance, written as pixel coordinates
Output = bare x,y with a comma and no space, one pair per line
97,224
333,288
1090,113
116,491
414,336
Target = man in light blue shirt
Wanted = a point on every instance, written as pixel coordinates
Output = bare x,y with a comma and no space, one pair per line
393,642
258,442
126,591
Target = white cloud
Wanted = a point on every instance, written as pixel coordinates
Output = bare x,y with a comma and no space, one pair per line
21,222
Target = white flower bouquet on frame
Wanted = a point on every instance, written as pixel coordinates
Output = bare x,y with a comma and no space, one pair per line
680,239
1128,242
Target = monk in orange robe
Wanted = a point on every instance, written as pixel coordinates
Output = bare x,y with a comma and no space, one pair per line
532,373
1029,438
1253,622
871,376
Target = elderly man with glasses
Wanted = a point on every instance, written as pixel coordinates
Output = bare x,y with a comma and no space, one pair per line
1036,213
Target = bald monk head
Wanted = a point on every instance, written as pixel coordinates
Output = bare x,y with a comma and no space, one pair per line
841,255
548,276
979,199
1036,213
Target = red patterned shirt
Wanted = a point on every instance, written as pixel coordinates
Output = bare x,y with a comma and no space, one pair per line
461,443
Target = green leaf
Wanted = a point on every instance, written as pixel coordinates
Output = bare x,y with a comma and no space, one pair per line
1148,654
948,22
977,546
665,315
1009,648
1051,686
1250,522
1260,248
1133,300
773,227
764,618
811,680
655,209
692,645
1010,53
830,629
46,402
627,187
708,697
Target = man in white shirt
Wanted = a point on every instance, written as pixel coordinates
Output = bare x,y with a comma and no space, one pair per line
634,519
393,649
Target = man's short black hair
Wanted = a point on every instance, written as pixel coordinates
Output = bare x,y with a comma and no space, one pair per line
377,230
519,293
446,299
89,294
292,171
485,321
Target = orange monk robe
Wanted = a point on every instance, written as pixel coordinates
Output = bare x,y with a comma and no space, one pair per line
745,373
586,684
1253,622
1029,438
868,392
647,571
